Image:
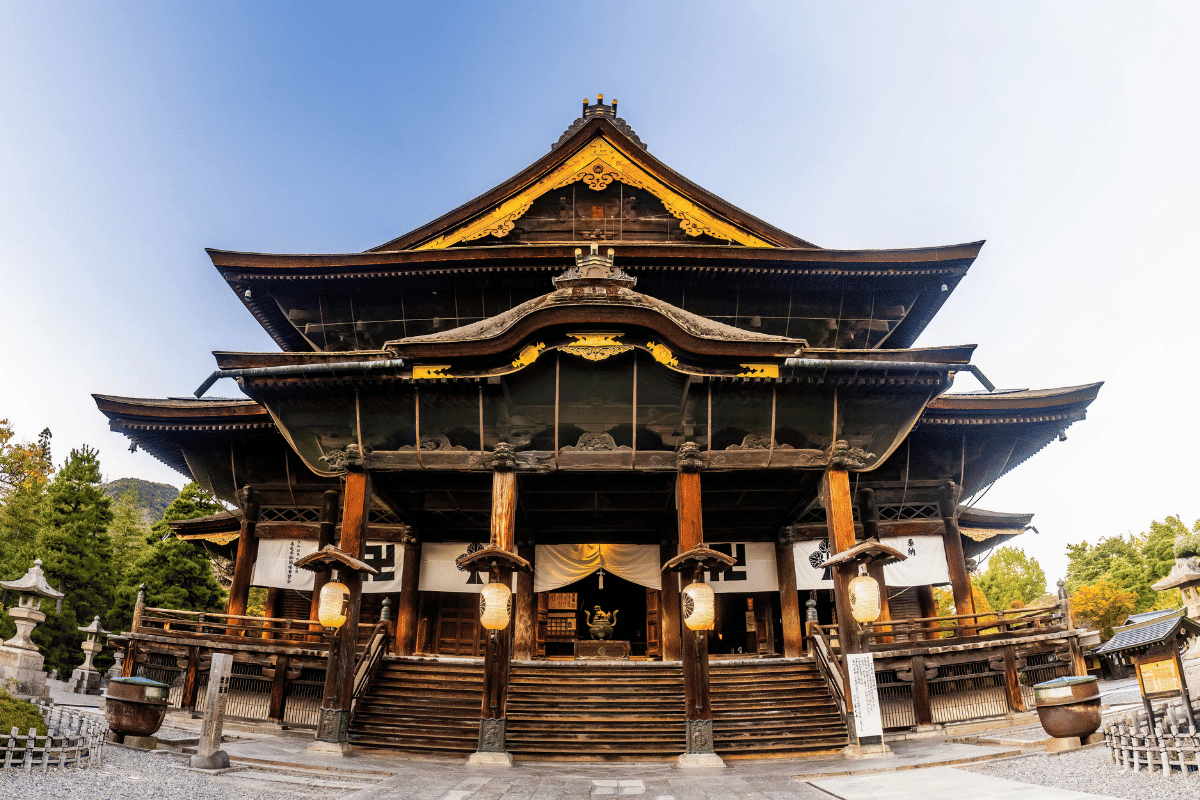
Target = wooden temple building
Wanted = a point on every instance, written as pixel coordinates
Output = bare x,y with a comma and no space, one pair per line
592,368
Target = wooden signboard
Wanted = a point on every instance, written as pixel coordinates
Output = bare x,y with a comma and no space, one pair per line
1158,675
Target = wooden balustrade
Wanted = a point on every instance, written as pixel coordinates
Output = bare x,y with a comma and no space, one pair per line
210,626
957,628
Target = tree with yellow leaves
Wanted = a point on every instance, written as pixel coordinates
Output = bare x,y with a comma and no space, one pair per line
1103,605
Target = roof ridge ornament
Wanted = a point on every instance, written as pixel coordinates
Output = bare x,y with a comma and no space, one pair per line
600,109
594,273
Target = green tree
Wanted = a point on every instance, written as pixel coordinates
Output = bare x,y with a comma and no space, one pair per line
127,532
23,465
1011,577
176,573
76,553
1134,563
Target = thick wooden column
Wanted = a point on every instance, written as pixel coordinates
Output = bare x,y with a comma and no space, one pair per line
789,598
191,680
839,516
272,609
329,510
921,703
689,511
243,568
1012,680
668,609
927,605
275,707
498,648
525,623
334,719
956,560
409,604
868,515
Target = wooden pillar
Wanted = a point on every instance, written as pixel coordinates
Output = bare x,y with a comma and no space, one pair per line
1012,680
129,663
275,708
498,647
868,515
956,560
272,609
329,510
525,624
408,604
921,705
334,720
191,680
789,598
668,609
839,516
243,568
927,608
689,510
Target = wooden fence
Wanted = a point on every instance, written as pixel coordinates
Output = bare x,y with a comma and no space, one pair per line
71,740
1165,744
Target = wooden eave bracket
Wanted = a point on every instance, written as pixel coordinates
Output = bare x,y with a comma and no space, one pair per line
329,557
868,552
702,558
482,560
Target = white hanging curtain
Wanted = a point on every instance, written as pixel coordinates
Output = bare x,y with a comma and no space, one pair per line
925,565
275,567
558,565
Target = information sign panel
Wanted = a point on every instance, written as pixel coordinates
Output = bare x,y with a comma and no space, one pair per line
867,718
1159,676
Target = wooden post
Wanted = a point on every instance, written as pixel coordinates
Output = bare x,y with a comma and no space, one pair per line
129,663
839,516
243,568
868,515
191,680
329,510
525,624
956,561
504,509
668,609
789,598
1012,680
278,691
272,608
333,724
921,704
409,604
688,507
1078,662
927,605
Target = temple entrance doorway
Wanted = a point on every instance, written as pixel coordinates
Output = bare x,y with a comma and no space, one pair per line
563,615
746,625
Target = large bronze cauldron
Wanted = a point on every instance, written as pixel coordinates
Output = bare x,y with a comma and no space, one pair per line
1069,707
135,706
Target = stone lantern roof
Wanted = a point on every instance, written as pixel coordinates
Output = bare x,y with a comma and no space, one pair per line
95,628
33,582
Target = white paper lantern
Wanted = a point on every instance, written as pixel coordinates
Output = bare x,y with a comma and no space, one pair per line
864,598
699,611
331,610
495,606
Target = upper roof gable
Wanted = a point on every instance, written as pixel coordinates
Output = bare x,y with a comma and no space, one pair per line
596,155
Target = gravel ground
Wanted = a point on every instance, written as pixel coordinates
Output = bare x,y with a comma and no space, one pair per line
131,775
1091,771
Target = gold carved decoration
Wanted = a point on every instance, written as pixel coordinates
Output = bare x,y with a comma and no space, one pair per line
662,354
759,371
595,346
597,165
528,355
431,371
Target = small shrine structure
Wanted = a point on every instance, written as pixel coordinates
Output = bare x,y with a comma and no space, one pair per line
20,659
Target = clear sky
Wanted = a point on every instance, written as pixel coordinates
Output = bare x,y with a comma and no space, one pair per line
133,135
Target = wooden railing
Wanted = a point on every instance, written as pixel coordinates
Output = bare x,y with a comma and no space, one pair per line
368,660
821,650
961,628
210,626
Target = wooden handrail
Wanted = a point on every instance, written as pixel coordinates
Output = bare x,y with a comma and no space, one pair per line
830,667
218,626
984,625
364,668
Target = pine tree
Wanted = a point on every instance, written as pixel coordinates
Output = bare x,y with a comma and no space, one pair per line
176,573
76,555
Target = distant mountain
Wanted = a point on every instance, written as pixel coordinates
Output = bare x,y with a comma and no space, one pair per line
150,499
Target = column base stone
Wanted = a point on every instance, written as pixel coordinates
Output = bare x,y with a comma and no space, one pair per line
330,748
700,761
218,760
490,759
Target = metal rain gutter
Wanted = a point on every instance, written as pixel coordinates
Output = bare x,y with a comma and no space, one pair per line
333,369
874,363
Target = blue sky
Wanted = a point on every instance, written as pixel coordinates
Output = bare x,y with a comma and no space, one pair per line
134,135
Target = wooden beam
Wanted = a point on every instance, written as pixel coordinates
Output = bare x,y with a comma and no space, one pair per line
525,624
408,605
789,600
243,568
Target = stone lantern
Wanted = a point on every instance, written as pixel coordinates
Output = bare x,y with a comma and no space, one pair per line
85,679
19,656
